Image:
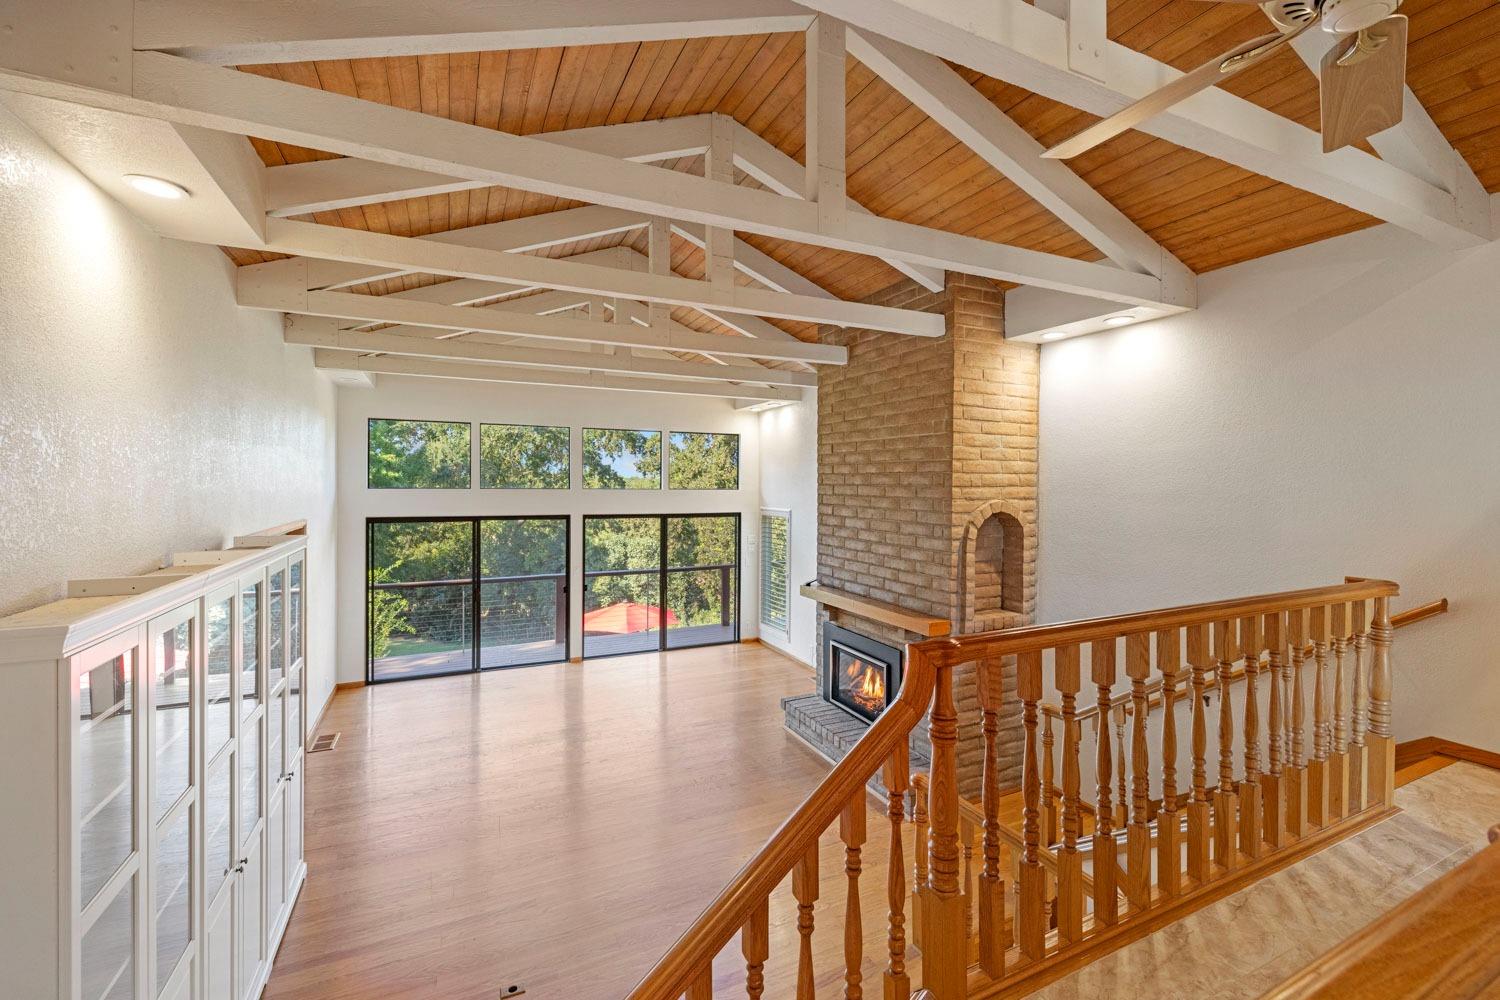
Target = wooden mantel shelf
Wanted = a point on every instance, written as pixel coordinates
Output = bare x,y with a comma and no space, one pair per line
879,611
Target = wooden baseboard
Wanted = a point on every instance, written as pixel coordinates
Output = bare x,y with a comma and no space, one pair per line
1418,750
348,685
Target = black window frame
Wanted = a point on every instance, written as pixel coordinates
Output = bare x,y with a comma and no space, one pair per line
583,471
419,420
663,570
476,585
568,472
667,461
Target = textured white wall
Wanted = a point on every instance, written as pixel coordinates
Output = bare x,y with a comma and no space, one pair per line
789,481
141,411
1330,410
396,397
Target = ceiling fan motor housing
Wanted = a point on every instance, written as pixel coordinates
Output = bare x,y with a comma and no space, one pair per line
1345,17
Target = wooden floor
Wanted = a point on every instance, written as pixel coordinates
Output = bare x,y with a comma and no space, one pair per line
554,827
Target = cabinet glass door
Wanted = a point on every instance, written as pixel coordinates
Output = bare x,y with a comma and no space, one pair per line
251,663
104,792
107,953
295,609
218,657
172,679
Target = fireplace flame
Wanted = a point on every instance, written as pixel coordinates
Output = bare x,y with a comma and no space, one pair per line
868,688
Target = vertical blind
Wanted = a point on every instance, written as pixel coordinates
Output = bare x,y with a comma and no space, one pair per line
774,532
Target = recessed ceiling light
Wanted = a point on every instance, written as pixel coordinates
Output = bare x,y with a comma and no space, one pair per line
156,187
1054,335
1119,320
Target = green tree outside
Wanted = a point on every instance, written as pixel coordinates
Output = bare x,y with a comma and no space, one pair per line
621,460
704,461
520,457
418,454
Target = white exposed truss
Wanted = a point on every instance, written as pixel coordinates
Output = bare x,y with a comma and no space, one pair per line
237,32
349,362
476,347
177,89
1022,44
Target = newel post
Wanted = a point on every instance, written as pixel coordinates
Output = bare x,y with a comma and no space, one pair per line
945,945
1382,746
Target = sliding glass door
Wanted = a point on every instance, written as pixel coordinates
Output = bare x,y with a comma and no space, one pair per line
659,582
451,595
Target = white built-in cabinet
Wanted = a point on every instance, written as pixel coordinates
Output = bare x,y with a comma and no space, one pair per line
151,755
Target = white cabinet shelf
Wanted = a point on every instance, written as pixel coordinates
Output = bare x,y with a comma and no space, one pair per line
153,845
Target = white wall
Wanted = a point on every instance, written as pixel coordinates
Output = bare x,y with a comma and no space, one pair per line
789,481
141,411
1330,410
407,398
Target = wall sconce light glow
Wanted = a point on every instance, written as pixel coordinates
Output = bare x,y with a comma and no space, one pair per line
156,187
1119,320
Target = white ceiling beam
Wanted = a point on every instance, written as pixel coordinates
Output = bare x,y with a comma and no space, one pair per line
1415,144
323,185
398,253
345,361
177,89
238,32
426,344
784,175
533,232
944,96
285,297
718,250
1021,44
824,181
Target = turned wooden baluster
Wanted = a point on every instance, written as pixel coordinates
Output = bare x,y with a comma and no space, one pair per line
1122,795
1317,768
1106,899
755,943
1382,745
1049,779
1168,830
1273,627
945,947
1226,800
991,885
1031,917
1249,789
1296,772
1359,762
805,890
920,831
852,833
897,778
1199,826
1338,761
1067,671
1138,834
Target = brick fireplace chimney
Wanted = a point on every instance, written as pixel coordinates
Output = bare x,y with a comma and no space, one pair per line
927,495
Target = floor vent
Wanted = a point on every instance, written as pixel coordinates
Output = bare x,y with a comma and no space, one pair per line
325,742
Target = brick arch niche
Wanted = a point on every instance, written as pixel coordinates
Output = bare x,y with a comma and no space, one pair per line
997,590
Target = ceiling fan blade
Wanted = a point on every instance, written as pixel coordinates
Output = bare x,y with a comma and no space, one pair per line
1363,83
1210,73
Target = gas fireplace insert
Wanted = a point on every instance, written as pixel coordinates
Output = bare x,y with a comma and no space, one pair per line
861,675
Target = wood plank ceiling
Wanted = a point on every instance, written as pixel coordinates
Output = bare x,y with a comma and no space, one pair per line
900,163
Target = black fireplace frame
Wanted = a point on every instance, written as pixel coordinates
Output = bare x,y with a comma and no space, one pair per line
892,658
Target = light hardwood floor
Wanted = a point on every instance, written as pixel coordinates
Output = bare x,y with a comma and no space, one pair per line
555,827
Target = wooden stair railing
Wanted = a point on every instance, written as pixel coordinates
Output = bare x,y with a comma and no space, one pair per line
1213,833
1444,941
687,968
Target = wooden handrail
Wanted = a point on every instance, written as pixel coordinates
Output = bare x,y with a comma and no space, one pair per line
1321,765
1443,941
1413,615
1007,642
733,908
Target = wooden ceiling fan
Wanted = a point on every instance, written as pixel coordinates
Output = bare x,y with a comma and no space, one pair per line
1362,78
